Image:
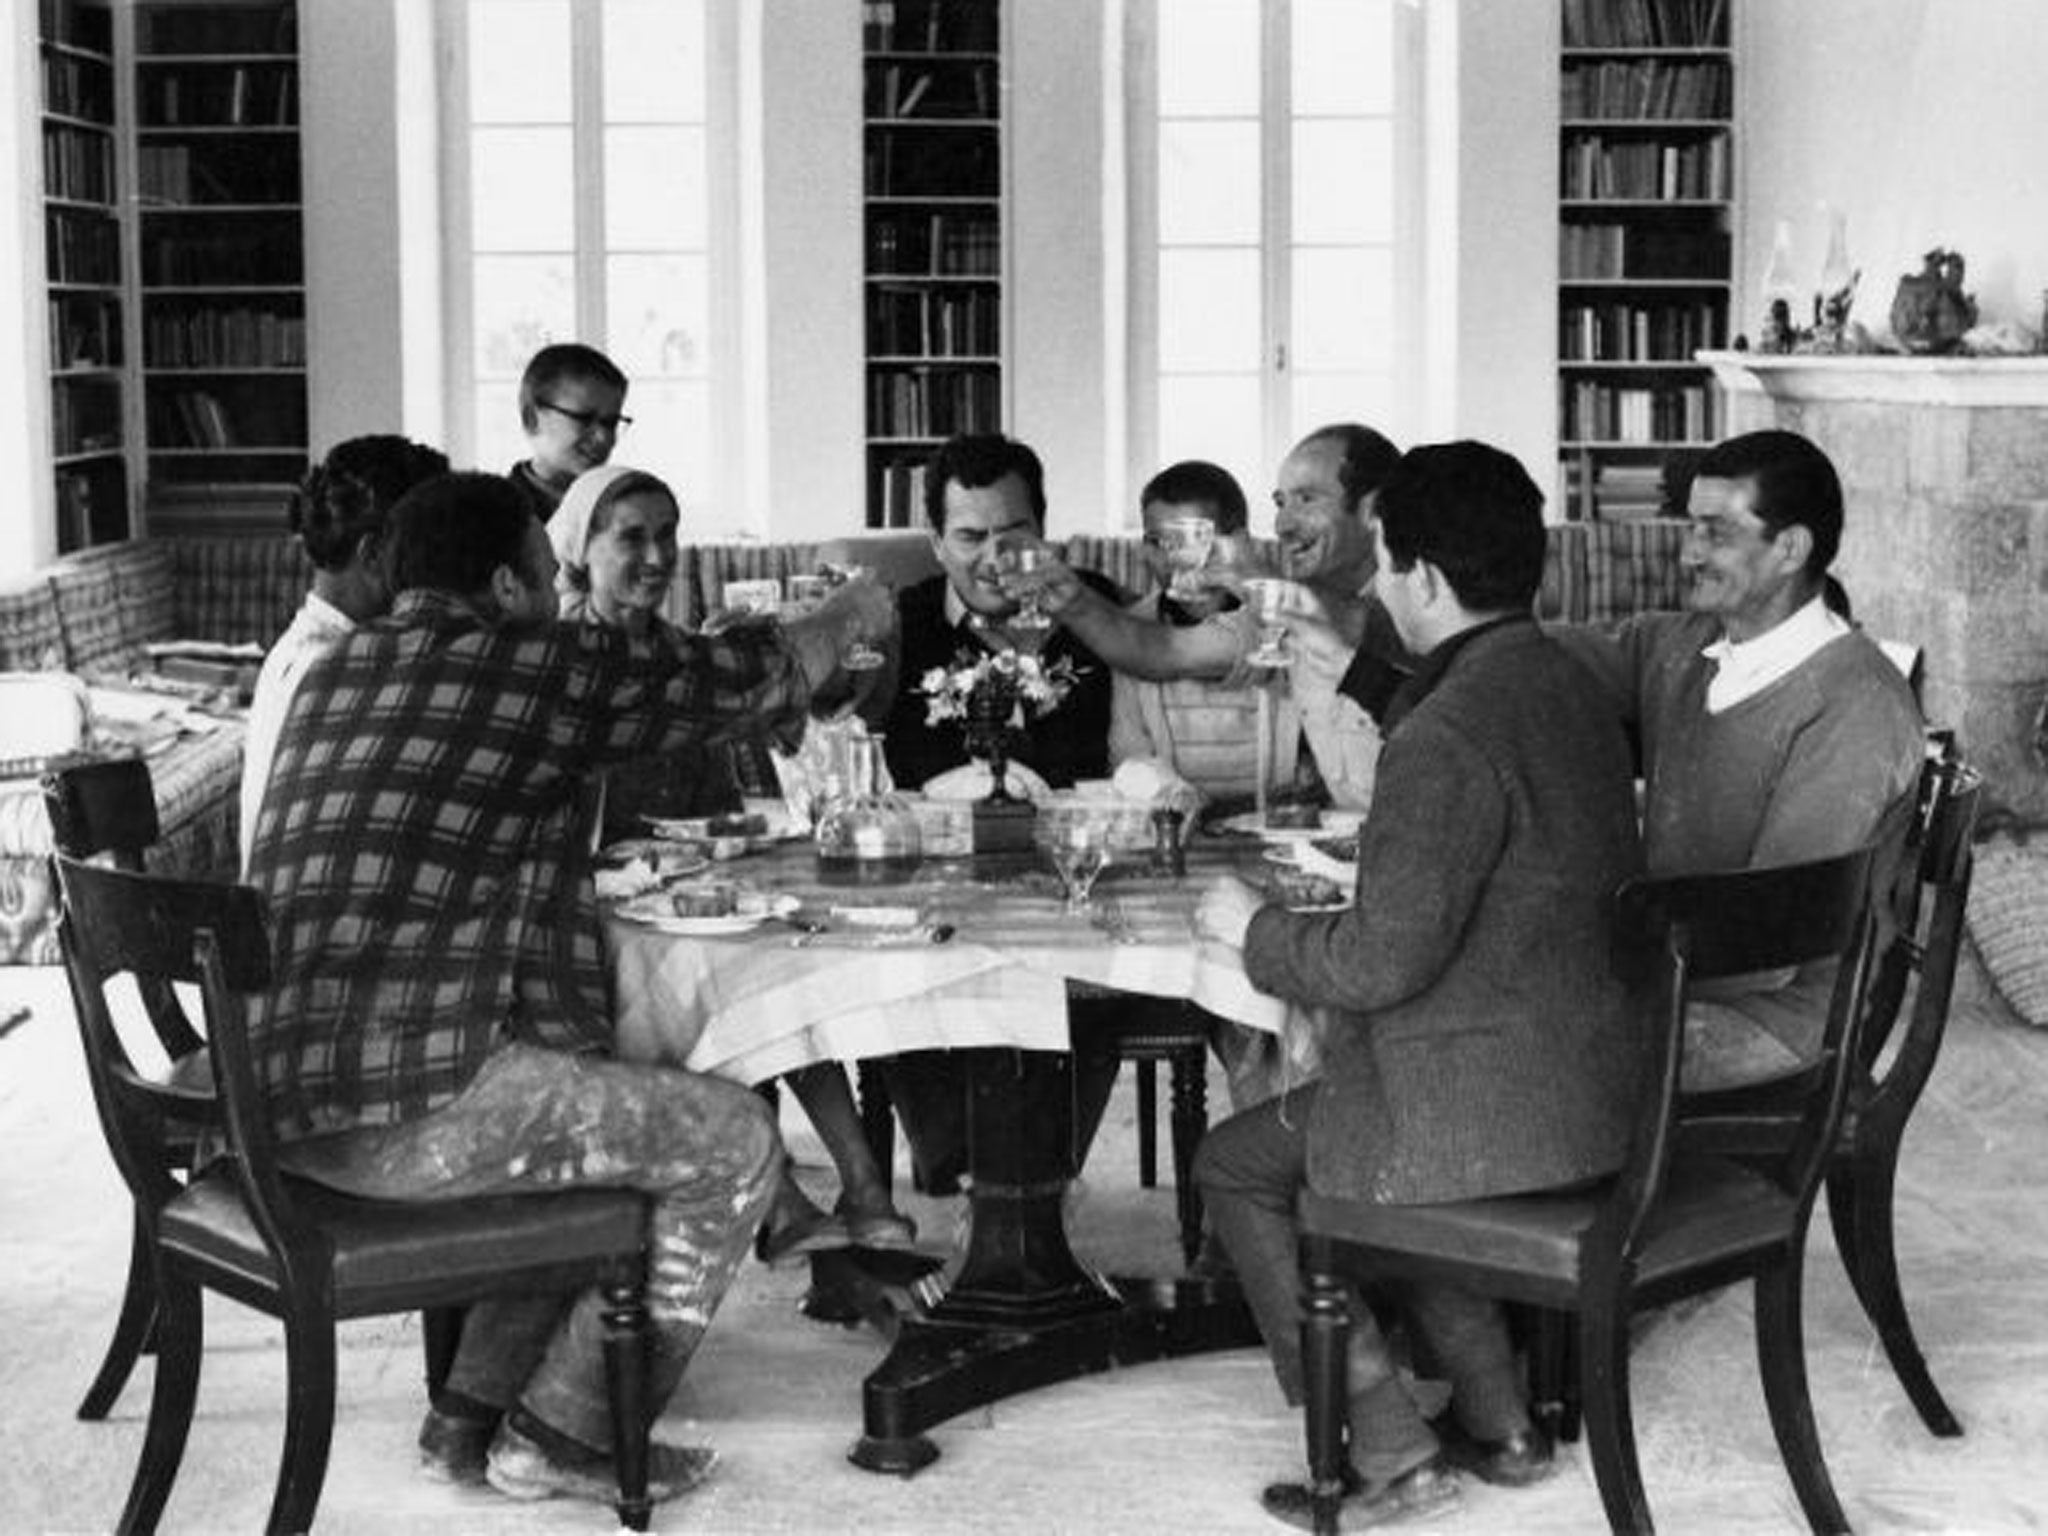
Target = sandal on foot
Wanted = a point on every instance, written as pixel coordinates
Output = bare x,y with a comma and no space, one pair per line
886,1230
822,1233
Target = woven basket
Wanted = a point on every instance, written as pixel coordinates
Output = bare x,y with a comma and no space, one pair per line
2008,921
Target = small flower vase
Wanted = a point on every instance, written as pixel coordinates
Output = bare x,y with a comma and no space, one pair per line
987,731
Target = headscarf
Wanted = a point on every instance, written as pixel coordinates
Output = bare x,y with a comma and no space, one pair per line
570,527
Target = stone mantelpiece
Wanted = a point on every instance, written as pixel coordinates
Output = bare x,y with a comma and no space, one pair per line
1944,464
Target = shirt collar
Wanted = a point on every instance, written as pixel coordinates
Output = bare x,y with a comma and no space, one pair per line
1745,666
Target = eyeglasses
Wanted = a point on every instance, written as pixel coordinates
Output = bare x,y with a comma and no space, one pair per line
585,420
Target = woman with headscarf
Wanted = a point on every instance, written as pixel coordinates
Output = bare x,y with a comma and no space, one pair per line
614,537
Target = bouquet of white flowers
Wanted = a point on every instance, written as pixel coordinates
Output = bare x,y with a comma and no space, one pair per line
996,687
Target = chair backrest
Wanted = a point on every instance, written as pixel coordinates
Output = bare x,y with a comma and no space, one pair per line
1929,906
161,932
109,808
1676,932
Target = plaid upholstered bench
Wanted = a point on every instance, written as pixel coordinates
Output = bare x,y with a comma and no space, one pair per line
94,615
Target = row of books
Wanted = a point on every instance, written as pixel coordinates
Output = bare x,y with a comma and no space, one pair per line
961,161
965,90
934,322
187,175
85,331
85,416
75,25
75,87
1610,413
1639,333
933,402
190,418
78,164
224,259
1613,492
929,26
242,28
902,244
260,95
1598,167
1597,251
898,501
1646,23
1646,89
82,247
224,338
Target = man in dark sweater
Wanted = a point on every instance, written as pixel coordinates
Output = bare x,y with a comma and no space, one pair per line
1478,1043
985,493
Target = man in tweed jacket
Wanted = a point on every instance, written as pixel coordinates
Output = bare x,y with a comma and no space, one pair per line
439,1025
1480,1044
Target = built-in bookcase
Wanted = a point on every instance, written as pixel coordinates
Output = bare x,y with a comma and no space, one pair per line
83,246
220,249
932,212
1645,226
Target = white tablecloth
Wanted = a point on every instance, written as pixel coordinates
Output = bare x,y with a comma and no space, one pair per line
754,1006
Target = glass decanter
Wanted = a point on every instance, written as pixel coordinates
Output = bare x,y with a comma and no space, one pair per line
866,833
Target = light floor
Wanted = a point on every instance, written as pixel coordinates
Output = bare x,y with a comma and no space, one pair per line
1179,1447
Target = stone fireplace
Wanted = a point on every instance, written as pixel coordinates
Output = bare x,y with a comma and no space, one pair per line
1944,465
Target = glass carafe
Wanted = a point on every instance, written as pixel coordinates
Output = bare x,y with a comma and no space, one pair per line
867,834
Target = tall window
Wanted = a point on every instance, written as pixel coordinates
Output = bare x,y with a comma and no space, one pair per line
1268,145
584,178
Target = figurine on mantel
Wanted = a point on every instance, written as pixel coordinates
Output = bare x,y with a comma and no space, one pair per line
1931,312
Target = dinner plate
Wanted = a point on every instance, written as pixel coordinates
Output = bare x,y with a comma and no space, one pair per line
697,829
1333,824
653,910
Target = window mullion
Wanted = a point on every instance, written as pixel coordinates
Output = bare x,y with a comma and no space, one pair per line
586,96
1275,244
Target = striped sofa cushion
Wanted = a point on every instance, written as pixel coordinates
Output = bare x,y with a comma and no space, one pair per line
89,608
31,633
145,590
238,590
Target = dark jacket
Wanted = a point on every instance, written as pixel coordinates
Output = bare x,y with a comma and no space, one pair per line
1481,1044
1072,742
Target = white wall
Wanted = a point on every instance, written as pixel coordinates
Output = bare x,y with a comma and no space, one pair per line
1926,121
28,535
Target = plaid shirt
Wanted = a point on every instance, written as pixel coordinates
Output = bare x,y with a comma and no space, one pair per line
422,842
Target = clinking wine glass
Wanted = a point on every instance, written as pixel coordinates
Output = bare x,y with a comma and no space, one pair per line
1186,542
859,656
1030,624
1077,842
1268,597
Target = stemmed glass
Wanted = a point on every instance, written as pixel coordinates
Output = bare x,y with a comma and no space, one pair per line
1186,542
1030,624
1268,598
1076,839
859,656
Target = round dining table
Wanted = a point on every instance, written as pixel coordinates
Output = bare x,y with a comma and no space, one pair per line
977,956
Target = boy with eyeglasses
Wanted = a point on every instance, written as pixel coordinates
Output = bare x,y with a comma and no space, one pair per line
569,403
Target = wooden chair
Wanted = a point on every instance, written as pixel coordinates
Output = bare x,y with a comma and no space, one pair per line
110,808
1888,1074
294,1249
1677,1220
1176,1033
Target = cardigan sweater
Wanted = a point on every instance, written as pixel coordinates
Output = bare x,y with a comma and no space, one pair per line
1480,1043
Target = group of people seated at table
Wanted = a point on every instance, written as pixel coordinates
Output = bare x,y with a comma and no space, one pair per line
482,687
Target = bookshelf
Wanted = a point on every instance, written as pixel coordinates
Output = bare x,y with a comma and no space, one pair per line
220,257
932,212
83,245
1645,244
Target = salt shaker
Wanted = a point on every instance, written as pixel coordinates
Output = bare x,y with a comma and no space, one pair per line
1167,854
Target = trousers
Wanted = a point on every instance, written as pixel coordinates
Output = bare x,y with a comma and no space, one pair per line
1252,1169
539,1120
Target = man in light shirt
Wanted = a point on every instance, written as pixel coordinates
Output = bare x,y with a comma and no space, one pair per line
1771,731
338,515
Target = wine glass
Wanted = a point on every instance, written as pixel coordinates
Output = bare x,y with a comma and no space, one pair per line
859,656
1268,596
1186,541
1076,839
1030,624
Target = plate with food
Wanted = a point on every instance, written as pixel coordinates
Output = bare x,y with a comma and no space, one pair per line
1300,891
705,908
727,836
1295,823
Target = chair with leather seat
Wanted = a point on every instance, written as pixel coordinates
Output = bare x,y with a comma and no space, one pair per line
109,808
1677,1220
291,1248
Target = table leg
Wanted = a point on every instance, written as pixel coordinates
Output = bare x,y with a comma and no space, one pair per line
1023,1311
